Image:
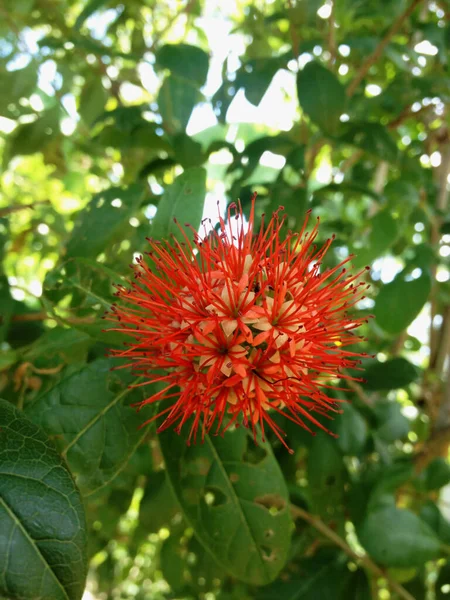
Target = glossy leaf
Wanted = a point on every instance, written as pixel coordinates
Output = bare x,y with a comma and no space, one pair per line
184,60
398,303
89,414
233,495
352,430
42,522
392,424
183,201
326,475
390,375
321,96
92,100
398,538
176,100
384,231
102,221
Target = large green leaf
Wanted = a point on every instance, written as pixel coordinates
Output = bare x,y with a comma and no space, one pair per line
323,577
93,98
398,303
89,414
398,538
89,284
42,522
103,220
321,96
326,476
233,495
351,428
373,138
183,201
383,233
15,85
176,100
185,61
390,375
33,137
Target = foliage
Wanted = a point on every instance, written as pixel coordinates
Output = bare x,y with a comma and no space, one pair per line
116,118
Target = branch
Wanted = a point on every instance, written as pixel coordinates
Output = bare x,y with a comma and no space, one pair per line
293,33
372,59
332,34
299,513
16,207
359,391
436,445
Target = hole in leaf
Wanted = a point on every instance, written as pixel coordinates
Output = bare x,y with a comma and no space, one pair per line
267,553
213,496
268,534
254,454
272,502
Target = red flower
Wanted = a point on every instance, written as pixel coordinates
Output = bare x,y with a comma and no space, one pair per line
239,326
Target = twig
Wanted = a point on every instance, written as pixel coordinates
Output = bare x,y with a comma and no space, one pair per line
332,35
299,513
441,205
372,59
16,207
435,446
293,33
351,160
359,391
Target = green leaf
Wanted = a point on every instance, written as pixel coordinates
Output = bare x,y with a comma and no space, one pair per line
374,138
42,522
91,7
392,424
89,414
403,194
188,152
326,476
69,345
321,96
351,428
322,578
398,303
89,284
6,307
92,100
183,201
103,220
184,60
442,591
390,375
158,505
358,587
255,77
437,474
431,514
15,85
389,478
382,235
398,538
176,100
32,137
233,495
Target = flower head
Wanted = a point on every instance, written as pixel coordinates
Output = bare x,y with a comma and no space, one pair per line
239,326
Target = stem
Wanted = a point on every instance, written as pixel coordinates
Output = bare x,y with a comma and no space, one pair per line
372,59
317,523
332,35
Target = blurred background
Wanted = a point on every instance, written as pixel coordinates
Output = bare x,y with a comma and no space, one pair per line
338,106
